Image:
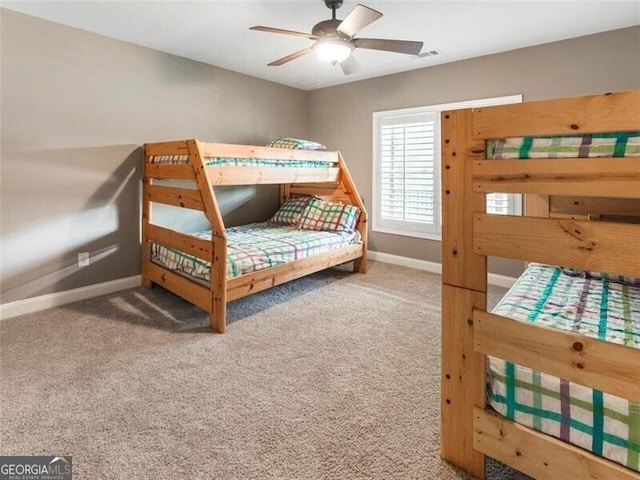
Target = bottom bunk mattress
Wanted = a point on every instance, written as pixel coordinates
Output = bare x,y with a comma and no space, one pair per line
604,424
254,247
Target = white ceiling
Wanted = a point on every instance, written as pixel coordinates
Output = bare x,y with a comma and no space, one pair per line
217,32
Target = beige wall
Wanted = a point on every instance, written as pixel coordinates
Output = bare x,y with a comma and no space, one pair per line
75,109
341,116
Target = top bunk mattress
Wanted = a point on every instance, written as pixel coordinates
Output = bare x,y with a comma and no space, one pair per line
623,144
604,424
255,247
241,162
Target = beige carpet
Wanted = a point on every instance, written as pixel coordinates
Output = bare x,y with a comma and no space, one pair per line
334,376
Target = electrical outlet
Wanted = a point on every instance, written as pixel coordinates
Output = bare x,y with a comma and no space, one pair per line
83,259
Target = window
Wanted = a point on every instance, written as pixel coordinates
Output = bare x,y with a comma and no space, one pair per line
504,203
406,170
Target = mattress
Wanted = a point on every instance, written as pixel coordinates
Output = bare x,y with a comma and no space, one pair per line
241,162
255,247
604,424
625,144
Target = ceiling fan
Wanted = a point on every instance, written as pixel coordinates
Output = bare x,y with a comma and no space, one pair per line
335,39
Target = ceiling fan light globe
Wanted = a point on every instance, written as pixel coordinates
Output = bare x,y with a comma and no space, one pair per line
333,51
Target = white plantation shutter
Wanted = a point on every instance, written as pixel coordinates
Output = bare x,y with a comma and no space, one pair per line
504,203
407,173
406,170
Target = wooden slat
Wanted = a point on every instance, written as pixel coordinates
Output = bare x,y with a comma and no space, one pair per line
594,363
198,247
166,148
539,455
600,246
229,175
181,286
618,111
625,207
319,185
329,191
169,172
179,197
463,377
267,153
570,216
460,265
604,177
248,284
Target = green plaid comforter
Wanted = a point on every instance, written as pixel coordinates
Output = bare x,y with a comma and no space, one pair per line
601,423
255,247
241,162
626,144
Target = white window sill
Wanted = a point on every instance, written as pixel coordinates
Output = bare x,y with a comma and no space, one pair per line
423,235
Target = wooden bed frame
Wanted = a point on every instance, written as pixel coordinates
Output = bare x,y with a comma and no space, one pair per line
333,183
562,197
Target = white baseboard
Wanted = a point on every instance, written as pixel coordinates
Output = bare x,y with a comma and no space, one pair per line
35,304
433,267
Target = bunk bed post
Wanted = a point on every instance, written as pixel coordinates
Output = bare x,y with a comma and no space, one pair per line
146,219
218,313
285,192
464,277
349,187
536,205
218,280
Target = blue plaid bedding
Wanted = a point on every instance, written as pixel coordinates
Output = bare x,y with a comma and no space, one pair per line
255,247
604,424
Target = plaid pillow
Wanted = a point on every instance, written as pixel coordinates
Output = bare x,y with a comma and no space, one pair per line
296,144
331,216
288,215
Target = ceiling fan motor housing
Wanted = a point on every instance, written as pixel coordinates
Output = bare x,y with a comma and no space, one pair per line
327,29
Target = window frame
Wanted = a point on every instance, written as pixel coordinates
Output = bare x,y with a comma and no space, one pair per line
403,227
412,229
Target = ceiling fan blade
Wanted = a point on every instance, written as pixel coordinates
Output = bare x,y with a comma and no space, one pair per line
349,66
397,46
359,18
288,58
260,28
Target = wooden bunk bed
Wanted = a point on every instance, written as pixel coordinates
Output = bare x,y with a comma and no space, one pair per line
299,173
579,212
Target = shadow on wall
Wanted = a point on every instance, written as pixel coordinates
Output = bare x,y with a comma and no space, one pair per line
58,203
239,205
